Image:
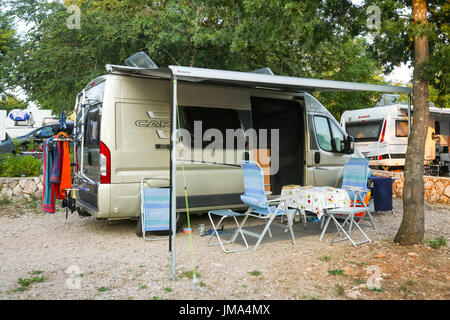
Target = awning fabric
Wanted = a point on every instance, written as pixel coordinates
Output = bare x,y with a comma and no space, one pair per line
253,80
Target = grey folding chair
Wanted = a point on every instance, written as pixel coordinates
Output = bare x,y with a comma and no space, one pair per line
224,214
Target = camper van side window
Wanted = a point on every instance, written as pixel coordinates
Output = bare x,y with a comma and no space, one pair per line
92,128
338,137
401,128
329,136
212,118
323,133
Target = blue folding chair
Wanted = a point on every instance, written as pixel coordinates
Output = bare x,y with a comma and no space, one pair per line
356,172
155,209
259,206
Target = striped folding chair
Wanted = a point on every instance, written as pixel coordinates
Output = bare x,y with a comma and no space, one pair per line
155,210
356,172
259,206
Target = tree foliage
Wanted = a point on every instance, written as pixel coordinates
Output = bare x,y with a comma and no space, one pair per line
9,102
393,43
317,39
7,43
296,38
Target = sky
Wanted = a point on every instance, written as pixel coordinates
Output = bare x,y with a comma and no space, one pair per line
402,74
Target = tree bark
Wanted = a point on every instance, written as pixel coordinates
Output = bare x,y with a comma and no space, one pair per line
412,228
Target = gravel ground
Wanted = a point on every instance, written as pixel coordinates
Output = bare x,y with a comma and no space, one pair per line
84,258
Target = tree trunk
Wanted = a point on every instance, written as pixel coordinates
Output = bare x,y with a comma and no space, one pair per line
412,228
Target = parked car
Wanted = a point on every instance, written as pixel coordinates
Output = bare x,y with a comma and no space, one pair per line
7,145
40,134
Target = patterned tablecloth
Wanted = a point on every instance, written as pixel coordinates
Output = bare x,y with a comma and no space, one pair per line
315,199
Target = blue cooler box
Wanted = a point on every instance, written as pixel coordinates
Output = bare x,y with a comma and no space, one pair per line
382,193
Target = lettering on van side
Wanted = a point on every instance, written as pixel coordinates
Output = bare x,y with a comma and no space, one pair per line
152,123
157,120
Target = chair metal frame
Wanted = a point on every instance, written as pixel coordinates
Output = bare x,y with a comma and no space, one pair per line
226,213
261,209
359,192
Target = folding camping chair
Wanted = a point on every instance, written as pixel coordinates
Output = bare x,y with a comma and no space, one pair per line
259,206
356,173
225,213
155,209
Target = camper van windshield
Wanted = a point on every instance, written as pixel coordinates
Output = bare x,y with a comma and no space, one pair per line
364,131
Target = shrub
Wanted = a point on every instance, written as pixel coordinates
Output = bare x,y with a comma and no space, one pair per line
337,272
436,243
17,166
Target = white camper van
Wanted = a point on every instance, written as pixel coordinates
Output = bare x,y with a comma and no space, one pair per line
2,125
19,122
381,134
124,118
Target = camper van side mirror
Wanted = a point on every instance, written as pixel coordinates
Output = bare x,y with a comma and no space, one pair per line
349,145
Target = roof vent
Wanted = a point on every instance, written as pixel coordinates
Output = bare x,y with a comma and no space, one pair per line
140,60
265,70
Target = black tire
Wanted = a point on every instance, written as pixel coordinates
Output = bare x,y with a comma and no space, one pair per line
181,220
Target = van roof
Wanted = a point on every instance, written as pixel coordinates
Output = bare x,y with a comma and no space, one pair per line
392,109
252,80
379,112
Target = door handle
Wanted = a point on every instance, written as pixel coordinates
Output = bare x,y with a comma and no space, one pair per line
317,157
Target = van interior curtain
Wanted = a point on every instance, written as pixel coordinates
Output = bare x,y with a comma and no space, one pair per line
284,115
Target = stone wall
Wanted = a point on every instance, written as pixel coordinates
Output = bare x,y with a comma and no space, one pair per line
20,188
437,189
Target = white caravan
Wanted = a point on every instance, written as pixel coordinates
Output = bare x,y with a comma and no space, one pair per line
381,134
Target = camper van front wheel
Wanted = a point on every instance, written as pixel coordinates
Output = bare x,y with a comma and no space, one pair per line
181,220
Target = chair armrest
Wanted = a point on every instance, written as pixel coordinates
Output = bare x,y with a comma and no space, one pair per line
283,198
356,189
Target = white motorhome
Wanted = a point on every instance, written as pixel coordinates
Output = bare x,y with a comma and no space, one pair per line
19,122
2,125
381,134
123,120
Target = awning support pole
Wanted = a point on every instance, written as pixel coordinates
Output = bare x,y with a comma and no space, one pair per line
409,113
173,193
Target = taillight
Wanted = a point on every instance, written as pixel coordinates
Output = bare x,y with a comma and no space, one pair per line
105,164
383,131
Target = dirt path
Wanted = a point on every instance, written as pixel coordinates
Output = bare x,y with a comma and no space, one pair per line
83,258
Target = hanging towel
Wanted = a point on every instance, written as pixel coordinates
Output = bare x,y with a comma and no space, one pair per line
48,198
57,171
65,178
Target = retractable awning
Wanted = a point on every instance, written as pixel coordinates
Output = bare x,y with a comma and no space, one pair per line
253,80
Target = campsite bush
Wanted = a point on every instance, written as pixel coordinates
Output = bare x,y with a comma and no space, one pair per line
19,166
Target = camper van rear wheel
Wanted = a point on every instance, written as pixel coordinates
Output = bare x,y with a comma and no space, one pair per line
181,220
